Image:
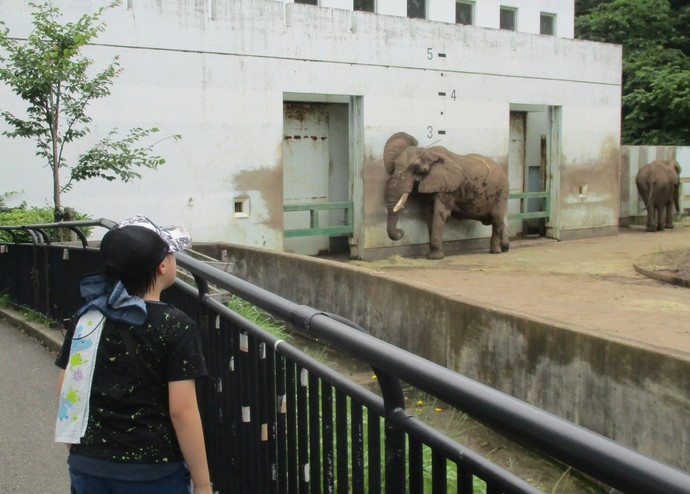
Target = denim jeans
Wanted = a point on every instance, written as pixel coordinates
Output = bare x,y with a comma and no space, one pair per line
177,483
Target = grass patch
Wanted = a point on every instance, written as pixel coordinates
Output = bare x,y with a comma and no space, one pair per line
27,313
259,317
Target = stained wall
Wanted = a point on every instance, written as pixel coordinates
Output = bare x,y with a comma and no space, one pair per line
219,79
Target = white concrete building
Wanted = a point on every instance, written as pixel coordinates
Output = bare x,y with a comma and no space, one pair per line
282,103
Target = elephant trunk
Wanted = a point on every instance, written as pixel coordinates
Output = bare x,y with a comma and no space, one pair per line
394,233
395,200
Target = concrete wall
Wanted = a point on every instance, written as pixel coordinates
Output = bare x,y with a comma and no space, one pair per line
221,81
632,395
635,157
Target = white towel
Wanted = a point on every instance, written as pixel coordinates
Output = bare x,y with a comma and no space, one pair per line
73,408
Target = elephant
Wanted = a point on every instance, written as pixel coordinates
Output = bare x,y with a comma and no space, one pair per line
463,186
658,184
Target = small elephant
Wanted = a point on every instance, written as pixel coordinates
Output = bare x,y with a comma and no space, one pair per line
658,184
465,187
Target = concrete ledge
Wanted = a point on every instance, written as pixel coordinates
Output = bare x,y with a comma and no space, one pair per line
673,280
50,338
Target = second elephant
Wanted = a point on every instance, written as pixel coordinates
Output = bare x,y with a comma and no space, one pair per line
463,186
658,184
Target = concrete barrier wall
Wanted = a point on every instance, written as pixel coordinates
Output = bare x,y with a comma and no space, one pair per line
635,396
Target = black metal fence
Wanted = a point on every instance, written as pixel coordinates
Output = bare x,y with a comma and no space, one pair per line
279,421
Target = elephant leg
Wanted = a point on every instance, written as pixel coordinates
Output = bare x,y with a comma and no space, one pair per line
497,236
669,215
495,246
438,223
659,218
651,214
505,238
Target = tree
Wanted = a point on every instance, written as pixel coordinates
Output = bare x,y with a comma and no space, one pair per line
49,72
655,35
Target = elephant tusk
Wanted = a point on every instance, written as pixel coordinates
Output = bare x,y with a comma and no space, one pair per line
401,202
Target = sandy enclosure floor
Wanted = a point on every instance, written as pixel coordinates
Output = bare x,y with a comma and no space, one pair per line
590,285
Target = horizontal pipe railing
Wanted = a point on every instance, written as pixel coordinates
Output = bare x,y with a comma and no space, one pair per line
315,227
587,451
523,197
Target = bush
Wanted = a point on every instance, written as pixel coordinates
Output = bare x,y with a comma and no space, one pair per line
32,216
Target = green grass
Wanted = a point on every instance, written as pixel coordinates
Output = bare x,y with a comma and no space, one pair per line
259,317
27,313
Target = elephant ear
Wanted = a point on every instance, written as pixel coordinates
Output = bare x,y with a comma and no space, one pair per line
443,175
676,166
395,145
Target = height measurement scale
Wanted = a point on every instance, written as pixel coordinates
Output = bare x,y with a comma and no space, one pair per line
445,95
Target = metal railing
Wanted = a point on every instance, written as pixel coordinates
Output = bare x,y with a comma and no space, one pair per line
279,421
315,227
526,199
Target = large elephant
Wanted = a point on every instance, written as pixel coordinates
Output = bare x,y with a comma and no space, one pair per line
465,187
658,184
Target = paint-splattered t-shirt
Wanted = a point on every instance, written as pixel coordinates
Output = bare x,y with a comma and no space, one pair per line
129,419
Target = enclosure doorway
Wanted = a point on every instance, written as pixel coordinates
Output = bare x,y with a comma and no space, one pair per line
318,216
529,163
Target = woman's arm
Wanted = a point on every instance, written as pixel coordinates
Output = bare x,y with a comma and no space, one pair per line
60,379
184,413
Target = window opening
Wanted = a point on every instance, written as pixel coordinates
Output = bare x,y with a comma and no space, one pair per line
464,13
241,207
508,18
547,24
416,9
364,5
308,2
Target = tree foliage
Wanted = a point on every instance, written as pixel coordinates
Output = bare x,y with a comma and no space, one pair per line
655,35
58,83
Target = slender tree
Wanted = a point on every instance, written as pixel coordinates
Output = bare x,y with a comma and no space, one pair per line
49,72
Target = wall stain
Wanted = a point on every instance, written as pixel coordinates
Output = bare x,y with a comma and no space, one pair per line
269,183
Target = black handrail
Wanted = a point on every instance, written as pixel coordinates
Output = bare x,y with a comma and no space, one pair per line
601,458
587,451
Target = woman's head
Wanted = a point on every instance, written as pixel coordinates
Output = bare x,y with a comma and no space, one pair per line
133,250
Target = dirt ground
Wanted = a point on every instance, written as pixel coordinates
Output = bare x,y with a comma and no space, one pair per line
605,285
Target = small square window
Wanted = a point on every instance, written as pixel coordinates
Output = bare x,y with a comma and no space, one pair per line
364,5
464,13
547,24
241,207
416,9
508,18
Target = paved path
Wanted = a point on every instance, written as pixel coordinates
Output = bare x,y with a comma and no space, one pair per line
30,462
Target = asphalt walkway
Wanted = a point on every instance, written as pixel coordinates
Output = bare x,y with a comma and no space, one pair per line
30,462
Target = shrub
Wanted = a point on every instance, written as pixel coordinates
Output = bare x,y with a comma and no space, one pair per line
31,216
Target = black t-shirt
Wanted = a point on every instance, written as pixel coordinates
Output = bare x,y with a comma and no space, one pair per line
129,419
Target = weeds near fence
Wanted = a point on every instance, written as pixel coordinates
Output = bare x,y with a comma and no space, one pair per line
259,317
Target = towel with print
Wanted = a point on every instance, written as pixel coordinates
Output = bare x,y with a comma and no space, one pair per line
73,407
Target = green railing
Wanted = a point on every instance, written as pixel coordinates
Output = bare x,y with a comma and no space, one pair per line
524,201
315,227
